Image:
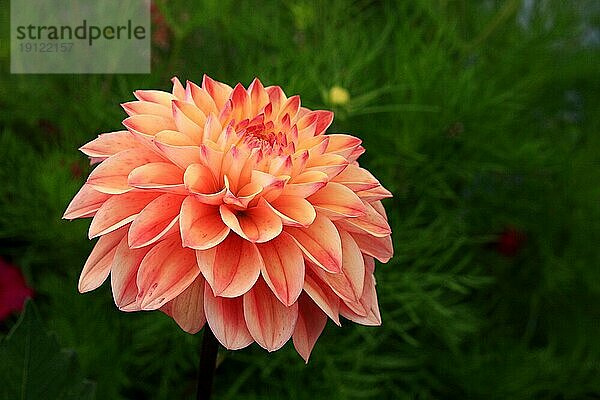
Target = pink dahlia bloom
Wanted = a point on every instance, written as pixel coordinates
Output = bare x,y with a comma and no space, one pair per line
233,207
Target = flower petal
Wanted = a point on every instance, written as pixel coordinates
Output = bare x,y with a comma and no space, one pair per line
310,325
97,267
155,220
155,96
225,317
201,98
166,271
108,144
320,243
329,163
283,267
356,178
257,224
379,247
375,194
322,295
294,211
187,118
342,144
336,200
258,96
219,91
111,175
119,210
187,309
85,203
349,283
270,322
368,302
157,175
177,147
201,181
123,275
148,125
147,108
305,184
371,223
201,225
232,267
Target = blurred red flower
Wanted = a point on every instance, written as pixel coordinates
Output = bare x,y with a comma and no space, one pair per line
510,242
13,289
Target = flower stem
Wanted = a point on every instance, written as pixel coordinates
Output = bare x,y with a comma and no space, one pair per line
208,363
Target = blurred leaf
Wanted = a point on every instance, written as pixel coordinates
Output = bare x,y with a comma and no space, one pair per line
35,367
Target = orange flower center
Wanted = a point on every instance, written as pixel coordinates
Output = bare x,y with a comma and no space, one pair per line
263,135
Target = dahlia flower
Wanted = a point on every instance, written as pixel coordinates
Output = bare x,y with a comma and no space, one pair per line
234,207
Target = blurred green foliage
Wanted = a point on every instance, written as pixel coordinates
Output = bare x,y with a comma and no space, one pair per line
478,115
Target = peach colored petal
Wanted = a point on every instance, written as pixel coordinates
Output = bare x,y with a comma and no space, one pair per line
270,323
155,96
212,128
109,144
178,89
379,247
148,125
368,302
342,145
158,175
281,165
189,120
322,295
155,221
330,164
258,96
240,101
290,108
309,326
322,118
258,224
375,194
337,201
118,211
123,275
378,206
187,309
211,158
111,175
177,147
165,272
219,91
276,97
201,225
146,108
349,282
201,98
97,267
305,184
231,268
244,196
294,211
283,267
225,317
356,178
320,243
85,203
371,223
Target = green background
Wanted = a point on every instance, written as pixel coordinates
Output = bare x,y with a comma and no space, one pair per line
480,117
